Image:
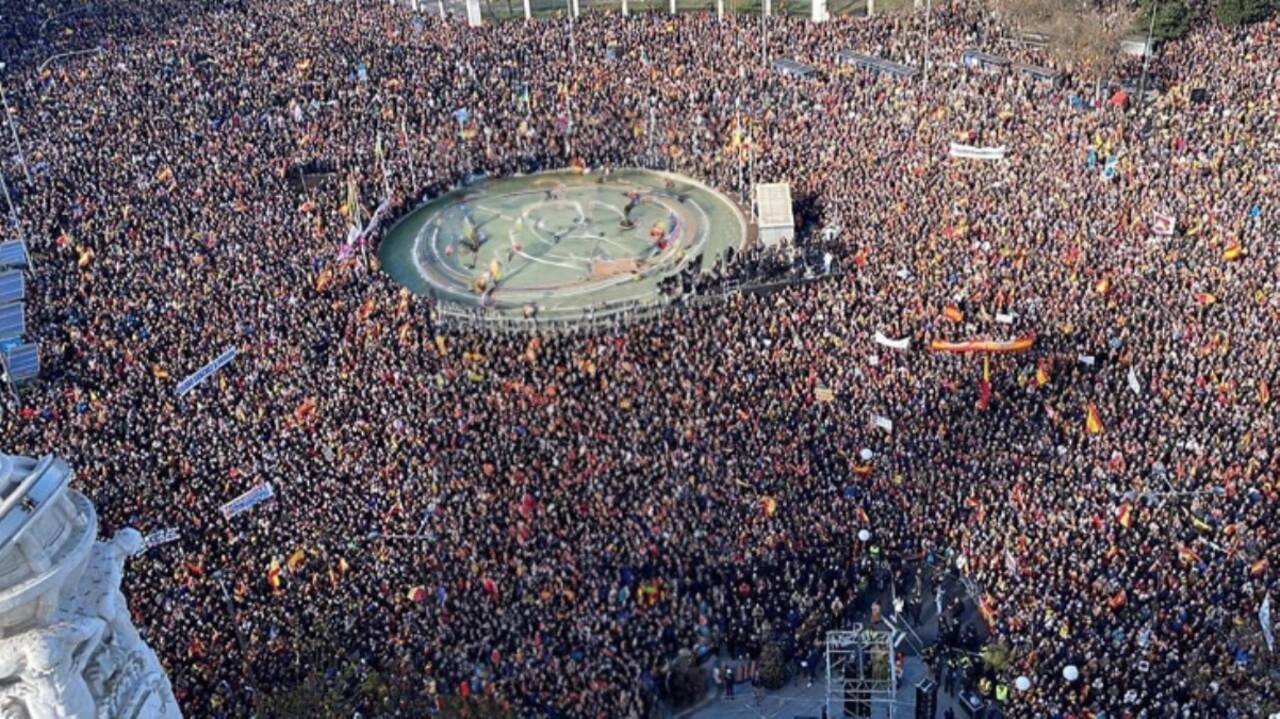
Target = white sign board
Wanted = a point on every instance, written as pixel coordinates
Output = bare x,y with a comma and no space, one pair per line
155,539
206,371
248,500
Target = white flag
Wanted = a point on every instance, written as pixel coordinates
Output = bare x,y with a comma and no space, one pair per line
1133,381
1264,616
1086,359
882,422
901,344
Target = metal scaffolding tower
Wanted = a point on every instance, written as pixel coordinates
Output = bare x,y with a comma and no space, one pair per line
861,672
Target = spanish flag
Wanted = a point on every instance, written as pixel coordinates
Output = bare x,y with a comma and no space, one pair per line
440,346
1042,373
953,313
365,310
987,608
1117,600
324,279
1201,525
1204,299
273,575
417,594
1103,286
1125,515
1258,567
295,560
1092,420
1264,393
1233,252
1187,555
305,409
769,506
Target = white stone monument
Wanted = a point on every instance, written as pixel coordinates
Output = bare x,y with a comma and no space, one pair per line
68,647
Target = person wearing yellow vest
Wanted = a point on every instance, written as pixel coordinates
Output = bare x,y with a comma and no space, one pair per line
1002,693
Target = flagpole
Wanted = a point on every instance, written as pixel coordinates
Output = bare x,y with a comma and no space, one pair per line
737,132
231,609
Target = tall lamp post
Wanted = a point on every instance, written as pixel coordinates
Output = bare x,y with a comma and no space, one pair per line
928,40
1146,55
8,116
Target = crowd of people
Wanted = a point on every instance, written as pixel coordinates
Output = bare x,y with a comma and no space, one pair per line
546,522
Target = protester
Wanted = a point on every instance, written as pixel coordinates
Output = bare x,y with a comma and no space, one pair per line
462,514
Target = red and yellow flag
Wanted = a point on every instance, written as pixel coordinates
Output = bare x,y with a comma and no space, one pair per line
295,560
273,575
1042,373
987,608
1092,420
769,506
953,313
1125,515
984,387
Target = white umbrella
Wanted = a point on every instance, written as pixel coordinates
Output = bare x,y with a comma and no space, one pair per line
1022,683
1070,673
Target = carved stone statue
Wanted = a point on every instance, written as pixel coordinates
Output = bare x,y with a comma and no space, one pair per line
68,647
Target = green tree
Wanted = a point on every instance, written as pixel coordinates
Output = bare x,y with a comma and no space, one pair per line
1173,18
996,656
688,681
773,666
1241,12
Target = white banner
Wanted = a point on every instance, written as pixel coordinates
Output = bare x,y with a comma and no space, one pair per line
356,237
883,423
977,153
1005,319
206,371
1085,359
901,344
1162,224
248,500
1264,616
155,539
1133,381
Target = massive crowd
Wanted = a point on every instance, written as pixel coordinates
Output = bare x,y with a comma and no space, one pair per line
573,512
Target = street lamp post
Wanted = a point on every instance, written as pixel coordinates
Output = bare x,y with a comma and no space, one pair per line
1146,55
928,40
8,116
